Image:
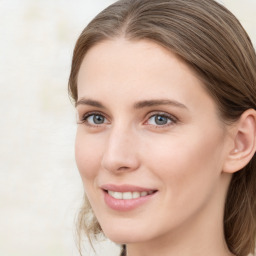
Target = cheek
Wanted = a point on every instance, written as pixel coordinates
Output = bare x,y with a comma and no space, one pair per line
187,164
88,155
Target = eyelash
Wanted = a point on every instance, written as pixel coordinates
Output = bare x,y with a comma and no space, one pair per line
173,120
85,117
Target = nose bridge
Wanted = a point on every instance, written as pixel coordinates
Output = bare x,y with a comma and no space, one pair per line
120,149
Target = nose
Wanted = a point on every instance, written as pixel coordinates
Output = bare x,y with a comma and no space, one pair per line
121,151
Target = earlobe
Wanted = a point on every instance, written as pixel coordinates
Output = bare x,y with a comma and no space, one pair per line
244,145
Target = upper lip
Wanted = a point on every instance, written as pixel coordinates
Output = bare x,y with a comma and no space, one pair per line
125,188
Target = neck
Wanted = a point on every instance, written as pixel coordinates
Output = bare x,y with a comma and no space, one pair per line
181,245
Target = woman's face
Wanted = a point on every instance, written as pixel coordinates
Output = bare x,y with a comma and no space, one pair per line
150,146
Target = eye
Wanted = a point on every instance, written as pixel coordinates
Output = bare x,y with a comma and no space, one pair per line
94,119
161,120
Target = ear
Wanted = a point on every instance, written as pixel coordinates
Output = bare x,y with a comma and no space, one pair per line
244,142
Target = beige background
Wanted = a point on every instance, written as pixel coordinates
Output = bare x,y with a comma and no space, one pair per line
40,189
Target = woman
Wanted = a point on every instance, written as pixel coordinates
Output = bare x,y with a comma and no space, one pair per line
166,96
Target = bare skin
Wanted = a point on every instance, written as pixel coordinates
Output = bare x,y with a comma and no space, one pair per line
146,120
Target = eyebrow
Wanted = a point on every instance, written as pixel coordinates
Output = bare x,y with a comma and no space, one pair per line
137,105
89,102
158,102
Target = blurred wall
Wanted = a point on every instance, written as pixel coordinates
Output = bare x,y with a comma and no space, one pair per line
40,188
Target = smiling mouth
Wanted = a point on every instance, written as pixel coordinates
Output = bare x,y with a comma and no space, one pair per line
126,197
129,195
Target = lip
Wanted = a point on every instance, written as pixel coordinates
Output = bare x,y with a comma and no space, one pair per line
123,205
126,188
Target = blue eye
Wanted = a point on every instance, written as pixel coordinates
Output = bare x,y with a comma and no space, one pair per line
159,120
95,119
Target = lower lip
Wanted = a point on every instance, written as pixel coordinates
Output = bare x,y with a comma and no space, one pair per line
125,205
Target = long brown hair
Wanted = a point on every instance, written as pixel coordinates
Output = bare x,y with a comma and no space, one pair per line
212,42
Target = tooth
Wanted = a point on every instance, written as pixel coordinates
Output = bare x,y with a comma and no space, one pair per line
135,194
127,195
111,193
144,193
117,195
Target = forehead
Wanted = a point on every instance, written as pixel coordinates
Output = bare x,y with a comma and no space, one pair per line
116,69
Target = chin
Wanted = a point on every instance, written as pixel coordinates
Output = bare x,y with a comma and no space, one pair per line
123,235
124,238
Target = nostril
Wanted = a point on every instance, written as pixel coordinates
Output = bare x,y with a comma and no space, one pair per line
123,168
118,155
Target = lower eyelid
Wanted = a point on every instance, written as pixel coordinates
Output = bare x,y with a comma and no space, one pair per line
170,118
85,121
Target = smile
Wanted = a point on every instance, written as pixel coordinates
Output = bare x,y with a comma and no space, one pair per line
129,195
